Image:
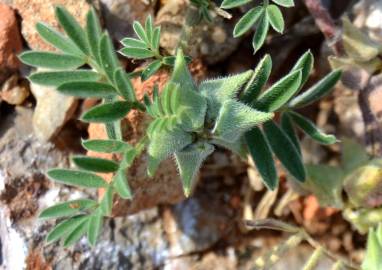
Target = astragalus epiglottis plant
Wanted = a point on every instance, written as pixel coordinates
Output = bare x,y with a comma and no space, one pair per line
189,120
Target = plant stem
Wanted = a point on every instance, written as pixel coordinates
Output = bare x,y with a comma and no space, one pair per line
312,263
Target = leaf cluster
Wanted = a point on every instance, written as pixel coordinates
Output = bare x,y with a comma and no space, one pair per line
263,16
280,138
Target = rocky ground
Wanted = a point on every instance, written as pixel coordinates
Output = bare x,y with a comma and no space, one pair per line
39,130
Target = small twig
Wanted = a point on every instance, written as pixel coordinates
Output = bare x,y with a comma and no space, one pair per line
326,24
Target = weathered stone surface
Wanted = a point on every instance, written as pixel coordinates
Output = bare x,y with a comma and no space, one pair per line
15,91
119,15
211,42
35,11
52,111
10,42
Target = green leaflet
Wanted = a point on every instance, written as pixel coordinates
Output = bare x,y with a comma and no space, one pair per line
149,28
133,43
76,178
51,60
57,40
235,119
137,53
156,38
176,140
72,29
247,21
65,227
284,3
373,258
94,227
354,155
326,183
93,33
189,161
258,80
262,156
285,150
317,91
67,208
181,75
95,164
108,56
106,146
124,86
107,201
261,33
233,3
311,130
279,93
87,89
305,63
121,185
287,127
76,233
107,112
140,31
56,78
217,91
151,69
275,18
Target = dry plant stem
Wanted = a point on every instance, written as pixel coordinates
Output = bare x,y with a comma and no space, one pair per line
326,24
334,257
312,263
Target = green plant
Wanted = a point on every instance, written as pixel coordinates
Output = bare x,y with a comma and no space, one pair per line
192,119
263,16
373,259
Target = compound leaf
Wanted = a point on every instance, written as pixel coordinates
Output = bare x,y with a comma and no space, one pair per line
140,31
133,43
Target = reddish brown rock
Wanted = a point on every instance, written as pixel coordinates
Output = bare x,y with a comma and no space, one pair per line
36,11
10,42
165,187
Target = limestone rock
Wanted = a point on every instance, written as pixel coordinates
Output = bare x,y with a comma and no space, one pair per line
15,91
36,11
52,111
119,15
10,42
